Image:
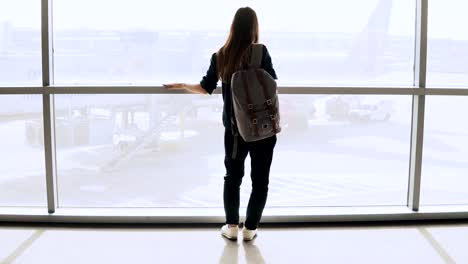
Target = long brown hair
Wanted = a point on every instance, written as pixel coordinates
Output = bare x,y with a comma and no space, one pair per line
244,32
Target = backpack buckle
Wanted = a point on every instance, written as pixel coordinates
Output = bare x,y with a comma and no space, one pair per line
254,121
269,102
250,106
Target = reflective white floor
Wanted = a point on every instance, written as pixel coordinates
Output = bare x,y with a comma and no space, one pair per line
317,244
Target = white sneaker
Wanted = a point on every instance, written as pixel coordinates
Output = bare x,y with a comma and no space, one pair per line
249,234
230,232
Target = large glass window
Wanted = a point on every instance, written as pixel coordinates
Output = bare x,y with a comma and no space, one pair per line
447,44
138,150
311,42
167,151
20,42
22,173
445,167
342,150
339,42
141,41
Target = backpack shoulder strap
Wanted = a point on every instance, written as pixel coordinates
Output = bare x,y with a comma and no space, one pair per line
256,56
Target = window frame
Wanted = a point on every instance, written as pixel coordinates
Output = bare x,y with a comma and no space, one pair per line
171,215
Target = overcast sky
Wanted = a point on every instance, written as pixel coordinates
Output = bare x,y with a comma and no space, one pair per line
449,18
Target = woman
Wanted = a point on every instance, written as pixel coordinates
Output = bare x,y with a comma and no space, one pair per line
234,56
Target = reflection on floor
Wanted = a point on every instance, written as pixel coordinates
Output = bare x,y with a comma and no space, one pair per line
411,243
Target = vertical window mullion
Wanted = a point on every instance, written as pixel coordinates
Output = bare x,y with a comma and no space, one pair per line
48,104
417,125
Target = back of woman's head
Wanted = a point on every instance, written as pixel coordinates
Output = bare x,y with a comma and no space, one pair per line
244,32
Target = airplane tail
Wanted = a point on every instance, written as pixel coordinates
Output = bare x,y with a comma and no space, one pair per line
367,53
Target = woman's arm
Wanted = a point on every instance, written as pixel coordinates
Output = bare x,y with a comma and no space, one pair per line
267,65
191,88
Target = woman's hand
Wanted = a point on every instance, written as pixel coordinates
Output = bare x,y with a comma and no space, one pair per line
175,86
191,88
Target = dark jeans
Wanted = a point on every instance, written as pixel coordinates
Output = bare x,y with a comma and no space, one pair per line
261,155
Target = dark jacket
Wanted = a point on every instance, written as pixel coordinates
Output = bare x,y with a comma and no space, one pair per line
210,82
